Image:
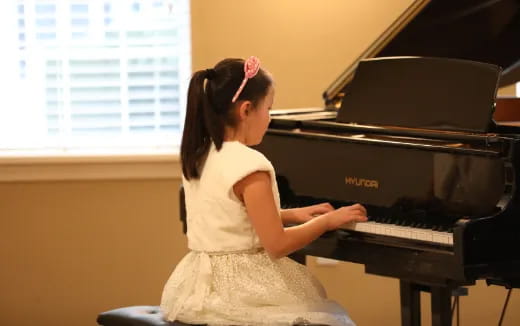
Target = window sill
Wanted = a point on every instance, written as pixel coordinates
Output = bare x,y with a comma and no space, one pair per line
53,166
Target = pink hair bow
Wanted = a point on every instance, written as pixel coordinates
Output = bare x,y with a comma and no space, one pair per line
251,67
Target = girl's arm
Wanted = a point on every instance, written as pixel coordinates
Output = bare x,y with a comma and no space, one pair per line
255,191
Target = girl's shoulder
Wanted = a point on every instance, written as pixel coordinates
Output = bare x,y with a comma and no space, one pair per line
236,160
239,153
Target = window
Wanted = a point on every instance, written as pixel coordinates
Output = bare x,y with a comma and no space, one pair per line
93,74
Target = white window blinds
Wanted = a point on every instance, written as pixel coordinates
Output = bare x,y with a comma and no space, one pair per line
94,74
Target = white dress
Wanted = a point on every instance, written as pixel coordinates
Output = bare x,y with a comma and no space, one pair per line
227,278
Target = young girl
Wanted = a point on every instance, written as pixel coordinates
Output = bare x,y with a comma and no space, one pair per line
237,272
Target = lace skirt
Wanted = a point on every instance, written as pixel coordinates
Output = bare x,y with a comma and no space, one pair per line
247,289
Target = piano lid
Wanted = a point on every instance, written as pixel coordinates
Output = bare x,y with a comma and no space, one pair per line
478,30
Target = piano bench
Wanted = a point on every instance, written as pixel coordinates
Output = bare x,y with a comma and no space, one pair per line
146,316
135,316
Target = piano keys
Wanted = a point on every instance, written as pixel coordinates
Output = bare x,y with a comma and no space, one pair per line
411,232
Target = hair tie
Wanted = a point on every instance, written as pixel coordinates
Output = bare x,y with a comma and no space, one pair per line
210,73
251,67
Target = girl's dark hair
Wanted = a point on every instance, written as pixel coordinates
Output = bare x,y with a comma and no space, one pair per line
209,109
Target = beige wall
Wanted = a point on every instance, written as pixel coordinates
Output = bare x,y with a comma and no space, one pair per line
304,44
70,250
508,91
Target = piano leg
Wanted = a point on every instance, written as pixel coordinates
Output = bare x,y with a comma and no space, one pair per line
441,305
410,303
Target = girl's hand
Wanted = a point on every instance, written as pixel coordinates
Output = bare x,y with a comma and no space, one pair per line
307,213
346,214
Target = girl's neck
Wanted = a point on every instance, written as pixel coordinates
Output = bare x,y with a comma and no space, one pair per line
231,135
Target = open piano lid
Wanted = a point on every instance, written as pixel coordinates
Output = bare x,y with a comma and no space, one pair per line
482,31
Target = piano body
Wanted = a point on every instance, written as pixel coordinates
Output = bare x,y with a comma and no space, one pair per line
408,131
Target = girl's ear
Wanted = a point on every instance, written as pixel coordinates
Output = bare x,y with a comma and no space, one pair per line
244,110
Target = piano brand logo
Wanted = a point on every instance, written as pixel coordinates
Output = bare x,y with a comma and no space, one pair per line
360,182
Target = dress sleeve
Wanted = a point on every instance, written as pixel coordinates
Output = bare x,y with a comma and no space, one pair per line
245,162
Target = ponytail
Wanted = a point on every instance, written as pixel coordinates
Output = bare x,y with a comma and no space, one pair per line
196,138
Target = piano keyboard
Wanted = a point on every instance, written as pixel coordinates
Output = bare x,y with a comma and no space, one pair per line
405,232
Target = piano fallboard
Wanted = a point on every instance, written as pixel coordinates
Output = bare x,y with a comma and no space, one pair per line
431,176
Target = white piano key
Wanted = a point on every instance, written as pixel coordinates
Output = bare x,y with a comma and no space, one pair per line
379,229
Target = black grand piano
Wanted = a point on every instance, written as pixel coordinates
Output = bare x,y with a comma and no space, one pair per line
408,130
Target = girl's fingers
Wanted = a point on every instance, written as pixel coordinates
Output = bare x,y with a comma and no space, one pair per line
361,207
361,218
328,206
323,208
357,218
